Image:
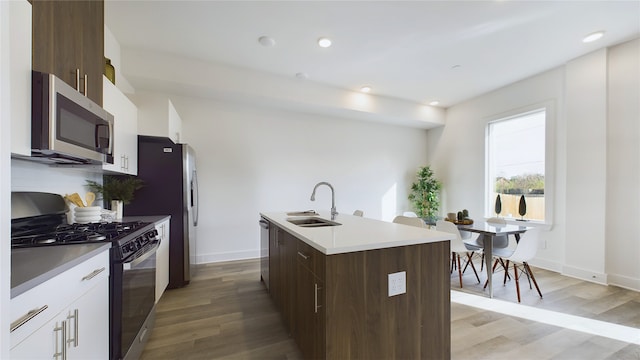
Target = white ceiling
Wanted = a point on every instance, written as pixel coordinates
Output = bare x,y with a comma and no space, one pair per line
415,50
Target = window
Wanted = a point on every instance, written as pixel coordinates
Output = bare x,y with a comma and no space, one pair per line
516,165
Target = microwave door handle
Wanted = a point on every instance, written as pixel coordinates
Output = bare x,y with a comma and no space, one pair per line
97,137
110,152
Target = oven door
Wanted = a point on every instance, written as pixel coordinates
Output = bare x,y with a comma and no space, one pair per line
138,300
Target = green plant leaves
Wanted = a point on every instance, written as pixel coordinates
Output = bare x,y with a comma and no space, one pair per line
425,193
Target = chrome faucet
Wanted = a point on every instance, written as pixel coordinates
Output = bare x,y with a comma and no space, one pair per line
333,198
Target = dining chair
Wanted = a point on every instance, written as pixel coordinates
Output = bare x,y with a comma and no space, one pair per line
457,248
358,213
409,214
412,221
526,250
499,242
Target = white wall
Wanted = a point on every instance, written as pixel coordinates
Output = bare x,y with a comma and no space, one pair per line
5,178
623,166
586,116
253,159
63,180
595,160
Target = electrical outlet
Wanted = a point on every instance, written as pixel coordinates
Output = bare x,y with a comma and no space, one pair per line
397,283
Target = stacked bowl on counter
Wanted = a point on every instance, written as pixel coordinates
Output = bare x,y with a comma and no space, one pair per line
87,214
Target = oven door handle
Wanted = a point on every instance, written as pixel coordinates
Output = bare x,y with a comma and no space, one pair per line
127,265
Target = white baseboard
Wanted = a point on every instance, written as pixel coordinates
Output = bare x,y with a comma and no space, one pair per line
547,265
586,275
230,256
624,282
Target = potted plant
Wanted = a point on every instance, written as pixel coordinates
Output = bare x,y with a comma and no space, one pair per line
425,194
116,190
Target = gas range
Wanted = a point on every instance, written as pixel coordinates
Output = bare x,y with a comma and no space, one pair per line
127,238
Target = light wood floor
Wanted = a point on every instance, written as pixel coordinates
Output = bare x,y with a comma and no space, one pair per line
225,313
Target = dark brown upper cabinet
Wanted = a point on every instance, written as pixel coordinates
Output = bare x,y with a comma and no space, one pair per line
68,41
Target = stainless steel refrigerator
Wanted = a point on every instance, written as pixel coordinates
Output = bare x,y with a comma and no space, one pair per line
170,188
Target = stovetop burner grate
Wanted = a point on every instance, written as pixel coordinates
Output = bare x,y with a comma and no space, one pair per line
74,233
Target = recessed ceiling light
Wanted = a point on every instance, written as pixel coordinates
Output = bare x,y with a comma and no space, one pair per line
365,89
324,42
434,103
302,75
454,67
593,36
266,41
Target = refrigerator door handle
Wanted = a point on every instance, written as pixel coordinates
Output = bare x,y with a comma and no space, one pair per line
194,197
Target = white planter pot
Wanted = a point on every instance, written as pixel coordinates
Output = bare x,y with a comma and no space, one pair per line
116,205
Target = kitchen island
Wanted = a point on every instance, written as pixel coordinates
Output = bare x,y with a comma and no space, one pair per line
333,287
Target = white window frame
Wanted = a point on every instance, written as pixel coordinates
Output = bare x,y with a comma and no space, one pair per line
549,167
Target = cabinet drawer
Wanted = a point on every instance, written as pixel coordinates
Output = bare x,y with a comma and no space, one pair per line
311,258
37,306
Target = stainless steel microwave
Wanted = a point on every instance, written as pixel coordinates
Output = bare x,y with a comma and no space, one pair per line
66,126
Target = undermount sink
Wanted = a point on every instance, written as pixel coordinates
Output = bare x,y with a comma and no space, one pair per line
302,213
312,222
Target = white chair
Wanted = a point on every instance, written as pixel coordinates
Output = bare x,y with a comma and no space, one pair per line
358,213
412,221
457,248
499,242
525,250
409,214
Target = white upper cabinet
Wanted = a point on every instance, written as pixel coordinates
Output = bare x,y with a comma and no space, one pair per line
157,116
125,117
19,79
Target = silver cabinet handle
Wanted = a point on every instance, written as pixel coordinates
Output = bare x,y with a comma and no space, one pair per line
78,80
26,317
315,302
303,255
93,274
73,340
85,84
62,329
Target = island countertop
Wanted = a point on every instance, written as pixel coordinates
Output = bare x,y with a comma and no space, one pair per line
356,233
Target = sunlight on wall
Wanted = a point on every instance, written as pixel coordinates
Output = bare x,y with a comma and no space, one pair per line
389,203
360,101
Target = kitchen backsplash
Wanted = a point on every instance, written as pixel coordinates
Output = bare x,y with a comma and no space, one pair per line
33,176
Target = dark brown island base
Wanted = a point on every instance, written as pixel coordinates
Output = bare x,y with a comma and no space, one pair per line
333,285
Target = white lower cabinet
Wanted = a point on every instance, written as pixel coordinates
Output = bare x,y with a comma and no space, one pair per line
80,330
162,258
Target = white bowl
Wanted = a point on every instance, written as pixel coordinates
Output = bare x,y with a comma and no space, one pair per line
86,219
85,209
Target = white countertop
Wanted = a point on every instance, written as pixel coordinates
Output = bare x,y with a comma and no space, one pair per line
356,233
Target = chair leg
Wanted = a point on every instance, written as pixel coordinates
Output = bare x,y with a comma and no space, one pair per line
468,261
506,271
453,262
495,264
472,266
515,272
459,270
533,278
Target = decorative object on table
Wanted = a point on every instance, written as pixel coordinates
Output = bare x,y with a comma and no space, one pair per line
425,194
116,191
460,218
498,206
109,70
522,207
